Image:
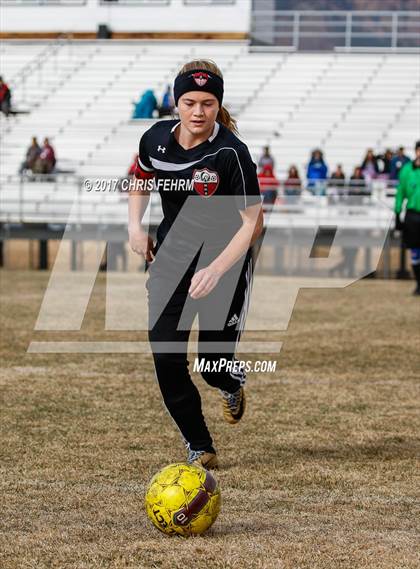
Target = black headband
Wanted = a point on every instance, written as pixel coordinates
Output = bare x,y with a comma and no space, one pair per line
198,80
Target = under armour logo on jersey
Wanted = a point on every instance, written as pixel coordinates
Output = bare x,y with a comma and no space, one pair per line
233,320
162,149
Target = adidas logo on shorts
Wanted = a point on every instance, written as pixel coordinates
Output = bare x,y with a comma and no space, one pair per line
233,320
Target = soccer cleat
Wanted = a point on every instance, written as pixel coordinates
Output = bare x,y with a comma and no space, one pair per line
233,405
203,458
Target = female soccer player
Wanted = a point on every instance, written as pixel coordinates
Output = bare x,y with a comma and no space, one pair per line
201,263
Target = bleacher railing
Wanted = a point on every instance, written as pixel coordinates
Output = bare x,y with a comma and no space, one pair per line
209,2
36,64
25,3
145,3
53,198
326,30
116,2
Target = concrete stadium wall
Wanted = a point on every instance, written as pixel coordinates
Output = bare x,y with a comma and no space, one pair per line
176,17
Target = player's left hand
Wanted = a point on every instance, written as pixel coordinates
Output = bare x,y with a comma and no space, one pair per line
203,282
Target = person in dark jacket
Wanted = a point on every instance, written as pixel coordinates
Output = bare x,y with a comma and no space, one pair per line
338,178
385,162
370,166
397,163
266,159
167,106
357,182
31,157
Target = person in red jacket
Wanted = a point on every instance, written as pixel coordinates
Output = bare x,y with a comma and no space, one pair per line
45,162
133,166
5,97
269,184
293,184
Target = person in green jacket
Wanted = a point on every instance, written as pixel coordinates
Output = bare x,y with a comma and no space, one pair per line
408,190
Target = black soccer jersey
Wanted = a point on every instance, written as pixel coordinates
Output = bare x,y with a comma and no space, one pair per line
218,174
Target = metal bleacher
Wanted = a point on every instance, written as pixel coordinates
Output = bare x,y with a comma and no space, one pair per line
82,99
80,94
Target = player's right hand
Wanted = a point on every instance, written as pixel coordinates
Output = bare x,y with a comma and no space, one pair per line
141,243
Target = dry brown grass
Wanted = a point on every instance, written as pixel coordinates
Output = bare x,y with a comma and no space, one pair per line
320,474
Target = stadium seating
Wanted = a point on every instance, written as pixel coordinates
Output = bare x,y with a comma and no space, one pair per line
80,95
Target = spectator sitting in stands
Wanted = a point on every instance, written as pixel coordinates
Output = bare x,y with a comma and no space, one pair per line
293,184
269,184
45,162
385,160
5,98
266,159
167,106
317,172
144,108
32,154
338,178
370,167
357,182
397,163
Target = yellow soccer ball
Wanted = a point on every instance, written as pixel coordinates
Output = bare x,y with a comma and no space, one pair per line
183,499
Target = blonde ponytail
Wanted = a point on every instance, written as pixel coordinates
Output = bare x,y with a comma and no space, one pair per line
224,117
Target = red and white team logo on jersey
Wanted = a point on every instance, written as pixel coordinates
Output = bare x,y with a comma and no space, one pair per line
205,182
201,78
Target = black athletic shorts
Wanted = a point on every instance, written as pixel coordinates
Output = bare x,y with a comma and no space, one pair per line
411,230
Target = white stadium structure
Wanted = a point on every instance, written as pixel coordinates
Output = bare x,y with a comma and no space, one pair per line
78,91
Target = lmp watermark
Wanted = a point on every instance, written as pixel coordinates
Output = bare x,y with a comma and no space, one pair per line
129,309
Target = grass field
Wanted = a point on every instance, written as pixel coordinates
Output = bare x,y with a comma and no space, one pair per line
321,473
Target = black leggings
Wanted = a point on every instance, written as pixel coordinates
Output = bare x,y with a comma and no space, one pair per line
180,395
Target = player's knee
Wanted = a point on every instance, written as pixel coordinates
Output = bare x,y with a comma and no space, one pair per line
171,362
181,399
